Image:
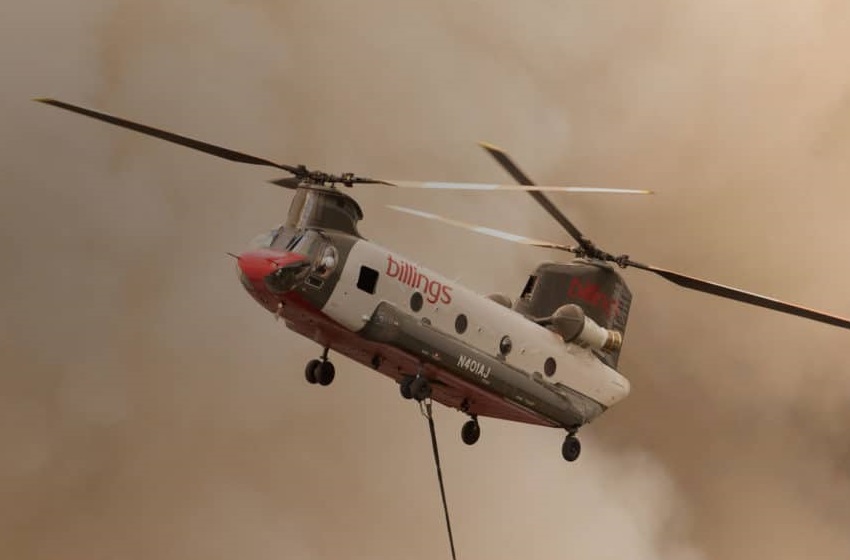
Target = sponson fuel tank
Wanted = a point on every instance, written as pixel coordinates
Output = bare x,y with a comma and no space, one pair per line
594,286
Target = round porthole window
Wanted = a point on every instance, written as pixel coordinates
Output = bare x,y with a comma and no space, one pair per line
549,367
461,324
505,345
416,301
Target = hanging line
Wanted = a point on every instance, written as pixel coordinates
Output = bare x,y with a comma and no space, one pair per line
425,407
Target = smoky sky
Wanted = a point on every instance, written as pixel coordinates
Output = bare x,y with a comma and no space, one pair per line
149,409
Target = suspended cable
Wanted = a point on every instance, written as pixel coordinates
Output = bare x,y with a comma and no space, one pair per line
426,412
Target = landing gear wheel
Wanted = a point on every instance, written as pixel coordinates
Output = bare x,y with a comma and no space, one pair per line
470,432
310,371
571,448
420,389
404,386
325,373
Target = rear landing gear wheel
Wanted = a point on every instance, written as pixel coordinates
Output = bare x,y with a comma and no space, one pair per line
310,371
571,448
325,373
470,432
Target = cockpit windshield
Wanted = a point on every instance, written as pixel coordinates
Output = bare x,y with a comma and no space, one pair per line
305,243
264,240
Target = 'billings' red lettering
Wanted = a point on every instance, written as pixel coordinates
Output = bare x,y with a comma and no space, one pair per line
409,275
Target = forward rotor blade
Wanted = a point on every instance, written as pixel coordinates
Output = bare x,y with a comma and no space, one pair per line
205,147
317,177
728,292
485,230
497,187
507,163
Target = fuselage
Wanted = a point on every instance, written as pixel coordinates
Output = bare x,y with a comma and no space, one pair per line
386,311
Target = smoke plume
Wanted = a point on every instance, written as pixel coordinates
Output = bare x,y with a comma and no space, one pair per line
148,409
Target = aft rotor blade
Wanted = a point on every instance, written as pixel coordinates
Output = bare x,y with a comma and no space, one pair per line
497,187
205,147
485,230
728,292
508,164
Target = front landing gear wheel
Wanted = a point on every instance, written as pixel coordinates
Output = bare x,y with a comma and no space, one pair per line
571,448
325,373
310,371
470,432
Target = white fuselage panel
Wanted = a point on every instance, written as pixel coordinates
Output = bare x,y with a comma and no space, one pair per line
488,322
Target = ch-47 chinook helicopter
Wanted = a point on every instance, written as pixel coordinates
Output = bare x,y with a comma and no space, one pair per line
550,358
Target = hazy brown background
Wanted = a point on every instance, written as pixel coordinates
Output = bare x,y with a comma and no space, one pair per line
148,409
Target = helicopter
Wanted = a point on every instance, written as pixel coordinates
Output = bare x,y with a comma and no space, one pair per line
549,358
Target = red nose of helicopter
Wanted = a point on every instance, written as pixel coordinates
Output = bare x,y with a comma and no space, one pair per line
264,271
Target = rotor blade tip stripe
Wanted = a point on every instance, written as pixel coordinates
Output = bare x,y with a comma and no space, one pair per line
413,212
502,234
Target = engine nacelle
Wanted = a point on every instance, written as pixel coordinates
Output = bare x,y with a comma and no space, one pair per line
594,286
574,325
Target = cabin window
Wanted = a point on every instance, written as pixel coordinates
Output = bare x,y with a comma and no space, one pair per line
461,323
505,345
529,287
549,367
368,279
416,301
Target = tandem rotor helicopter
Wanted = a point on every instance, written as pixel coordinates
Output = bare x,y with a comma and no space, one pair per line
549,358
